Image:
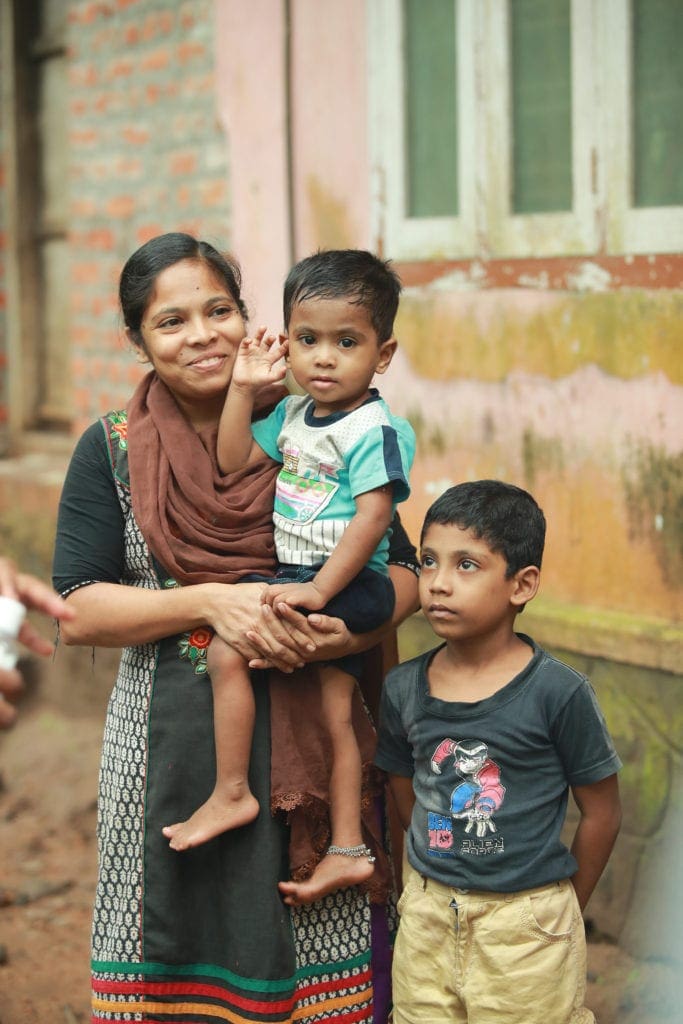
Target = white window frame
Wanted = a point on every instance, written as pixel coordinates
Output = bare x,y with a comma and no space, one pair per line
602,217
629,228
403,236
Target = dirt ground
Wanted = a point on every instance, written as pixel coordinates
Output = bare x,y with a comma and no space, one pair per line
48,772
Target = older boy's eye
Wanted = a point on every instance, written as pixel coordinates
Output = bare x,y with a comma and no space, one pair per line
427,562
468,565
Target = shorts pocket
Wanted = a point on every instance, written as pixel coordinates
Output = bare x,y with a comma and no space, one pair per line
552,912
414,883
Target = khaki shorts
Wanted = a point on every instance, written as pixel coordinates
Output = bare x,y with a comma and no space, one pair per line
489,958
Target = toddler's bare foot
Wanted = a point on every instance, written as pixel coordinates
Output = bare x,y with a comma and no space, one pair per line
335,871
217,815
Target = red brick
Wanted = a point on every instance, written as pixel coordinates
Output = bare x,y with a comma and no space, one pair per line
183,163
85,273
136,136
121,69
143,234
155,61
214,193
101,238
120,206
84,137
189,51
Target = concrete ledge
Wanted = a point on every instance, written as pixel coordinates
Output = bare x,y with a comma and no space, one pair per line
615,636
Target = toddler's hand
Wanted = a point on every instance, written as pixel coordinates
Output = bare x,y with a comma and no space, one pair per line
259,360
295,595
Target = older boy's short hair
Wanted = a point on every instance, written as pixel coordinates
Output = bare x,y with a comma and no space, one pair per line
354,274
503,515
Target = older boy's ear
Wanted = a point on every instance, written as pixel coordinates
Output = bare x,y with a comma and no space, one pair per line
386,354
526,581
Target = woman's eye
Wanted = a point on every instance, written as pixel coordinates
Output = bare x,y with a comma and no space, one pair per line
221,311
169,323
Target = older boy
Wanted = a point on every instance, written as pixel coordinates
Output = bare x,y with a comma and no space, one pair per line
482,738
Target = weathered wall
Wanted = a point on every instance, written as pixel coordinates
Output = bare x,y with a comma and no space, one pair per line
147,154
576,396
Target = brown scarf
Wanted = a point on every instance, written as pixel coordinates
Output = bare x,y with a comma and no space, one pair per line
202,526
205,527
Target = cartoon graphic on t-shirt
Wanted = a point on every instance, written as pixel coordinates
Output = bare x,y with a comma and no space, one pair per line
481,792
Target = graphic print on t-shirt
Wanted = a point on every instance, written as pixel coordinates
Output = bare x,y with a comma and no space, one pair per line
473,801
303,488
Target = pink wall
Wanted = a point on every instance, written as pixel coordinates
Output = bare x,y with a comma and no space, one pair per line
329,118
251,100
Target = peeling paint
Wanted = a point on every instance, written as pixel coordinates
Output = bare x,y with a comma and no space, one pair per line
488,335
590,277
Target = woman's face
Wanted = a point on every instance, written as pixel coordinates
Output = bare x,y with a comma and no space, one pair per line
191,331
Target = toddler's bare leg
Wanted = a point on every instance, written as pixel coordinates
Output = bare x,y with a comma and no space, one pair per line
232,803
338,869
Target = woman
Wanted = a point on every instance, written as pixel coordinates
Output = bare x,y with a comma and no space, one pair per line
148,533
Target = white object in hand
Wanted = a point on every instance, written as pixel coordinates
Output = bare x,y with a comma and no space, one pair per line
12,615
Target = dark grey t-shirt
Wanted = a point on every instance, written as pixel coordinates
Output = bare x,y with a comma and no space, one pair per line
491,777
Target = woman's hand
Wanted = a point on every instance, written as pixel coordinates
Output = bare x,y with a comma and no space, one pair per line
313,638
254,631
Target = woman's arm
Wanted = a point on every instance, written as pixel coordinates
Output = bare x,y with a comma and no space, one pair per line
116,615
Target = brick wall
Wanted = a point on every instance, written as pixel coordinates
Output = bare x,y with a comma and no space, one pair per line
146,155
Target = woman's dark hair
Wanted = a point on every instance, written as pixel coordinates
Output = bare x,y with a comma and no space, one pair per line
139,275
504,516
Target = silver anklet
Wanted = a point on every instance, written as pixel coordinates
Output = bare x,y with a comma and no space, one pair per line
352,851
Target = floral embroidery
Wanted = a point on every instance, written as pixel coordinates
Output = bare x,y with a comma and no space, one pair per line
193,647
119,427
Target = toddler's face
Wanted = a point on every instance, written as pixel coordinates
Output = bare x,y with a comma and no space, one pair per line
334,352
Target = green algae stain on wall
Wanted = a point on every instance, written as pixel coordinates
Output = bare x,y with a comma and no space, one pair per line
653,488
488,335
541,455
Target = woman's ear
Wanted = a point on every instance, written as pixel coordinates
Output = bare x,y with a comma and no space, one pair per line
137,345
526,583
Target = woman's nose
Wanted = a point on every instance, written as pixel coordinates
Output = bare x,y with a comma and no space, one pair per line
201,330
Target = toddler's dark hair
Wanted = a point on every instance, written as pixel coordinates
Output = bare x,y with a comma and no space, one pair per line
354,274
503,515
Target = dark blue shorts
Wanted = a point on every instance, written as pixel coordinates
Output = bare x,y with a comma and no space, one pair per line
365,604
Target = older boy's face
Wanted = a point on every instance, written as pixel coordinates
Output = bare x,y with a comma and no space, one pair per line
463,590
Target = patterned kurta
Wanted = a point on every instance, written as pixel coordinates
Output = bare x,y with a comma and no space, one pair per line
200,935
